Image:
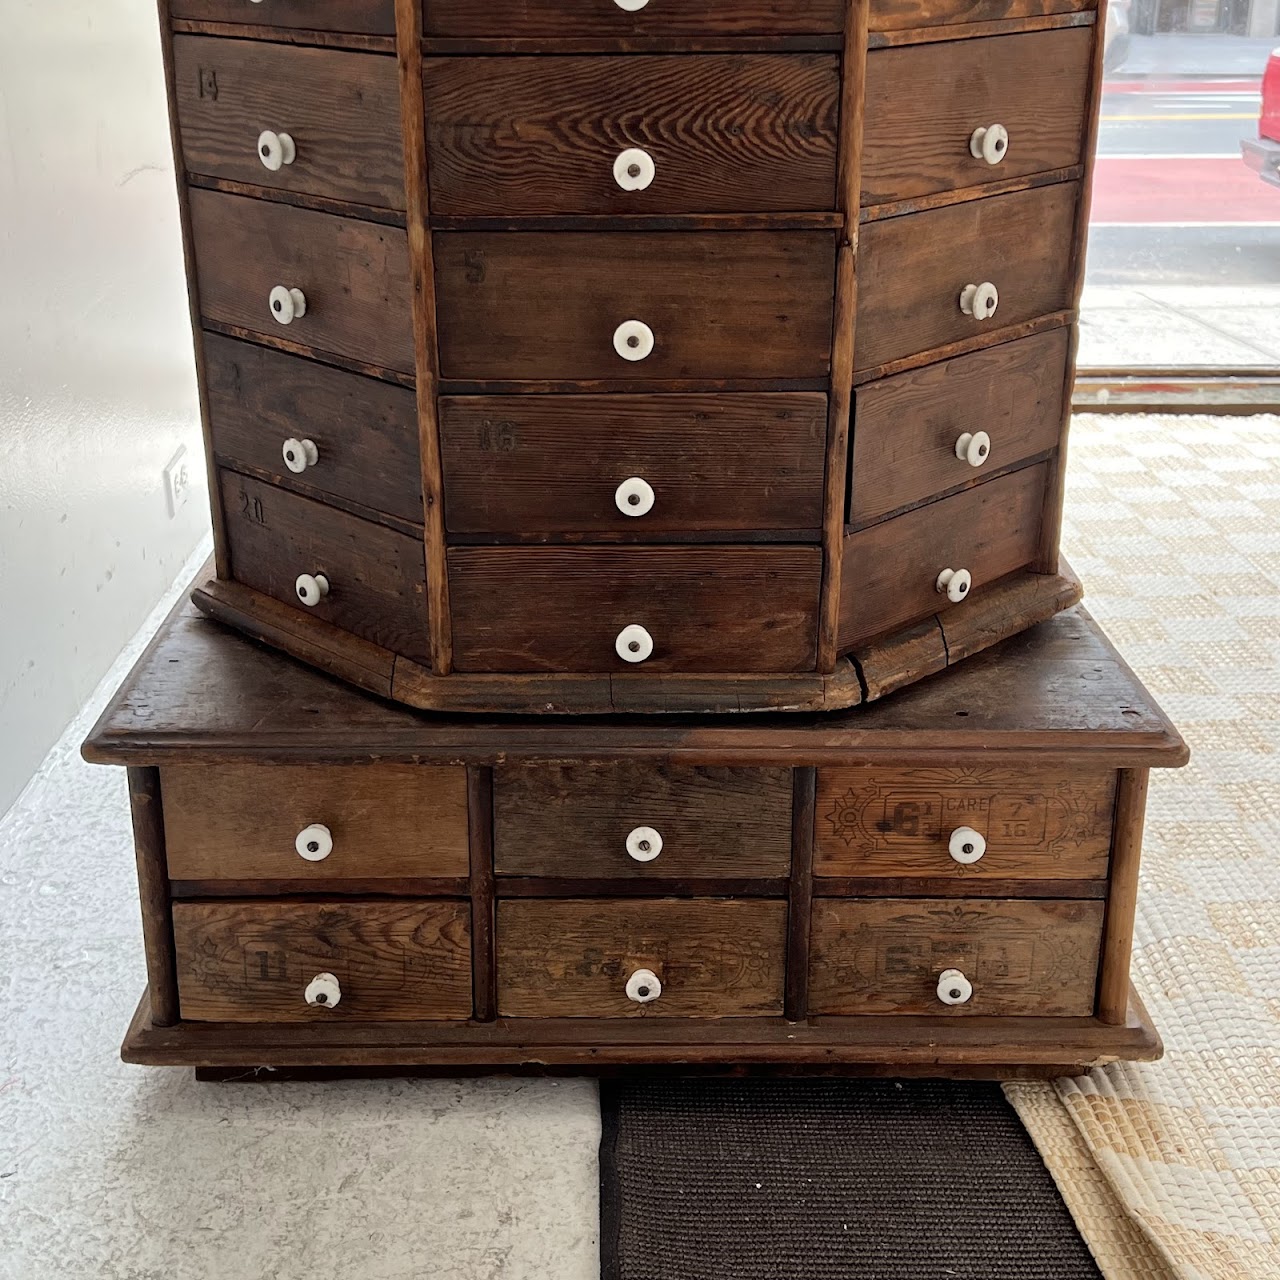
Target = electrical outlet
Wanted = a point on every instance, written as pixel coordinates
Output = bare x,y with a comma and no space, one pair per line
177,481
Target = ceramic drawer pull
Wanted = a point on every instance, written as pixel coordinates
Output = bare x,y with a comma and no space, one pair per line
634,643
973,447
633,340
631,6
990,143
956,584
634,497
299,455
954,987
634,169
644,844
314,843
980,300
276,150
323,991
966,845
287,305
643,986
311,588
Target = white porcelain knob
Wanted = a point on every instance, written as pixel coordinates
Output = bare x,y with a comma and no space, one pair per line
323,990
287,305
973,447
634,497
275,150
299,455
315,843
311,588
990,143
956,583
634,643
643,986
954,987
633,340
980,300
644,844
634,169
631,6
966,845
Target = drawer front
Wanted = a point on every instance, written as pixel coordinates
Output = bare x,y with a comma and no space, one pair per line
376,579
1030,959
913,270
891,570
341,111
992,822
711,958
924,103
908,430
368,17
553,464
906,15
641,821
724,133
315,822
354,276
736,304
384,961
569,19
733,609
264,405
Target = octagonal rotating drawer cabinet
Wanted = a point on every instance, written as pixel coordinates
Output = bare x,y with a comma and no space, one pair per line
542,369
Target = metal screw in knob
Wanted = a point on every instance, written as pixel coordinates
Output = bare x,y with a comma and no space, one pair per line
954,987
966,845
276,150
644,844
990,143
644,986
299,455
956,584
973,447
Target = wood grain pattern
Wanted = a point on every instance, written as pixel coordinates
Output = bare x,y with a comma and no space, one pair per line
394,960
1039,824
483,905
573,820
924,102
715,958
552,464
153,894
891,569
1023,958
377,588
738,609
736,304
355,276
239,822
1122,904
906,427
901,15
800,895
727,133
341,109
366,431
373,17
913,269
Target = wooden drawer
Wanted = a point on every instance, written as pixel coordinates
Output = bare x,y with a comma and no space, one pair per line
376,578
709,608
394,961
1039,824
891,570
365,431
736,304
726,133
925,101
369,17
342,111
906,428
570,19
583,820
713,958
529,465
385,821
913,269
354,276
905,15
1031,959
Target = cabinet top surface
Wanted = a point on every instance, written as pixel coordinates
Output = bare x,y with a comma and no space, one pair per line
201,693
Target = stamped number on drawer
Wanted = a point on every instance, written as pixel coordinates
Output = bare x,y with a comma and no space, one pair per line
305,962
980,820
641,820
691,959
931,956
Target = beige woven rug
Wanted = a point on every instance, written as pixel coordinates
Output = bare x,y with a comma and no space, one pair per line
1172,1169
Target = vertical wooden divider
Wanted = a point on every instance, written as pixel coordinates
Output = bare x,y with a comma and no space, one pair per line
484,986
153,891
853,66
413,123
800,908
1122,902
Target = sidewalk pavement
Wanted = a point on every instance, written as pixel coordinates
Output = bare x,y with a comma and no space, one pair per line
1180,56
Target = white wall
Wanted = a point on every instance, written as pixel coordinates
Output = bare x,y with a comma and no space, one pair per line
97,389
